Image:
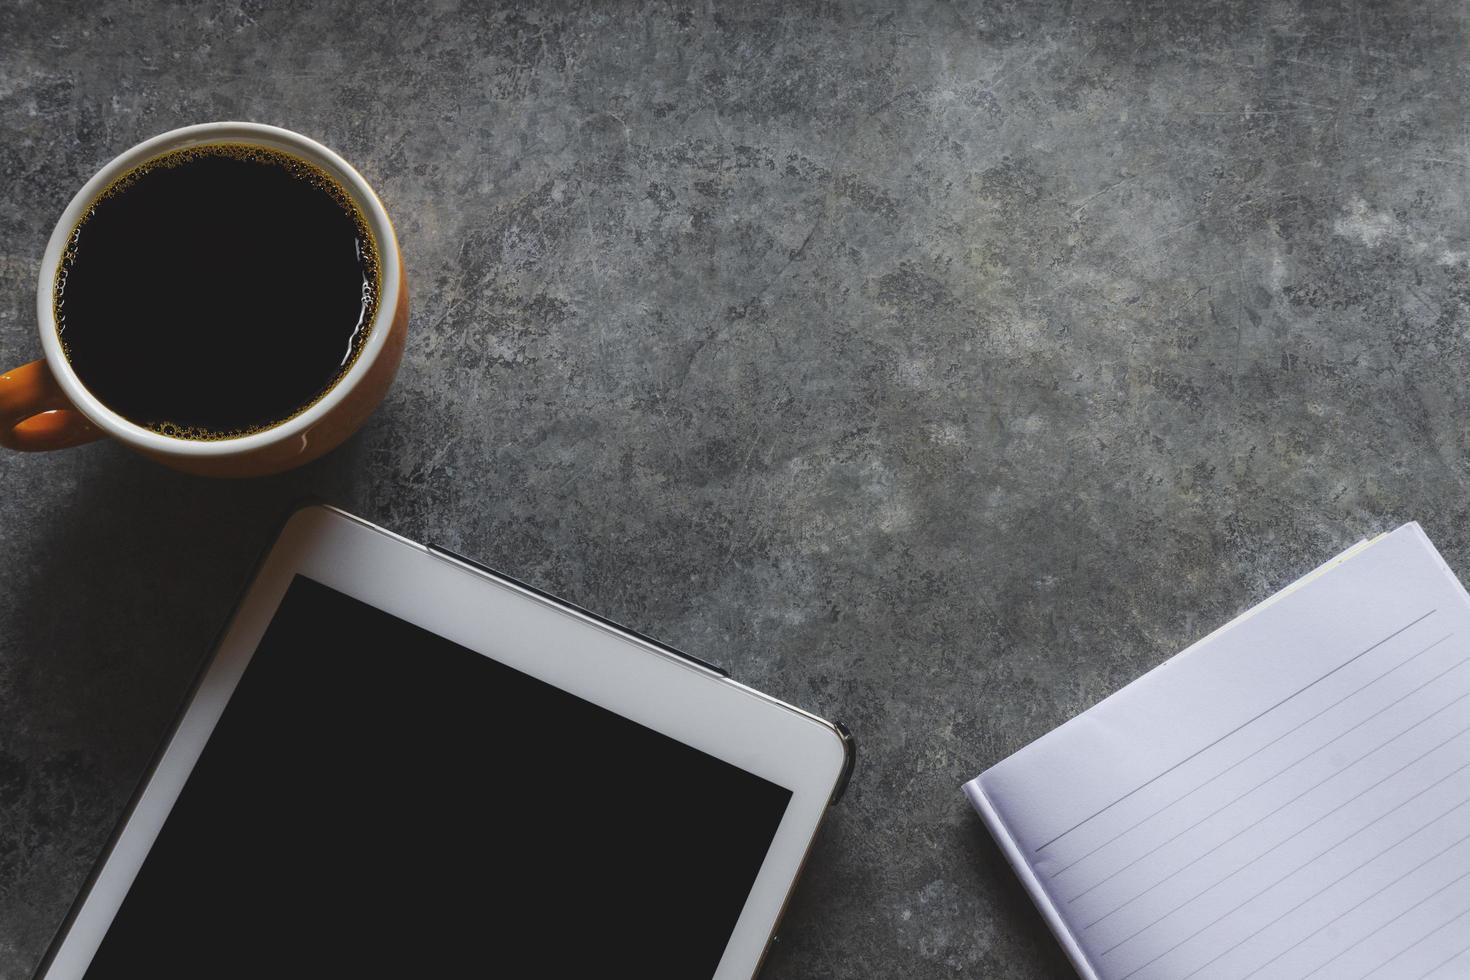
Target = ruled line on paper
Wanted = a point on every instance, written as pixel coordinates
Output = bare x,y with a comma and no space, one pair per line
1349,911
1335,809
1317,894
1235,765
1432,895
1320,854
1273,813
1233,731
1444,962
1242,796
1278,881
1454,918
1222,917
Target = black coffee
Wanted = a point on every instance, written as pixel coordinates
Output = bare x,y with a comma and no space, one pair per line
216,291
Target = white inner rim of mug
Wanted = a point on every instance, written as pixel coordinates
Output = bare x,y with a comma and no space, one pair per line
238,132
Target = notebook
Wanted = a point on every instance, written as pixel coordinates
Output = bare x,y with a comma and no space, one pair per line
1287,798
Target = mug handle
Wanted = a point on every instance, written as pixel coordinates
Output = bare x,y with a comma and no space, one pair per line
36,415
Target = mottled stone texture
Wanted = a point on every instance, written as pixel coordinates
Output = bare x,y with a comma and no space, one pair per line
936,367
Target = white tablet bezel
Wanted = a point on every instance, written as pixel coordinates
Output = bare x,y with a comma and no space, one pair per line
523,629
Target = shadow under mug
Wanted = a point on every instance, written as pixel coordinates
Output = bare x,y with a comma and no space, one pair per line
44,406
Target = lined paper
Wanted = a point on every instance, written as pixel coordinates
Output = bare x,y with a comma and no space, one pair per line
1289,798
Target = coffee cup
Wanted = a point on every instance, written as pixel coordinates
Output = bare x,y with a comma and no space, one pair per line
47,405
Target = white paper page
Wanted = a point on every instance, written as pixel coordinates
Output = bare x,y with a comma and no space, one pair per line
1289,798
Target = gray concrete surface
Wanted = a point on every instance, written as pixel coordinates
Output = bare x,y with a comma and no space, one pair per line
938,367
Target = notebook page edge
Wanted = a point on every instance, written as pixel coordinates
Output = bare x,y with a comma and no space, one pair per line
1444,566
1352,551
975,792
1330,564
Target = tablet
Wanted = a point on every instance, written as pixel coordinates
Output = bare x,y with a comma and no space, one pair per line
398,763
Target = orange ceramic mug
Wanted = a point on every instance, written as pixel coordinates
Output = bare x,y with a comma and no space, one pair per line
44,406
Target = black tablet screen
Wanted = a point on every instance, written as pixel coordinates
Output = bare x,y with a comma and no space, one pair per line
378,801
